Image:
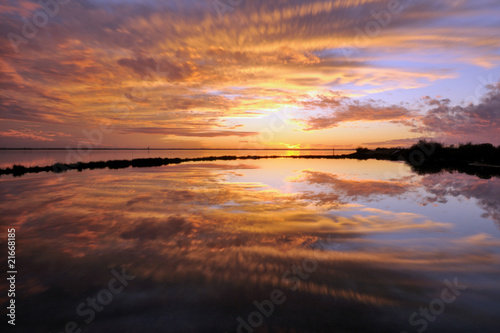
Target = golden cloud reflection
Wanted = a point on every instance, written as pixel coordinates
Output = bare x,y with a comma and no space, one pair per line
202,235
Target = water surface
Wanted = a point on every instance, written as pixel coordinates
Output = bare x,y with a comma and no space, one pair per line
31,158
349,246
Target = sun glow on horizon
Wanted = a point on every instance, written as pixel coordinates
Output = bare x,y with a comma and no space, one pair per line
200,79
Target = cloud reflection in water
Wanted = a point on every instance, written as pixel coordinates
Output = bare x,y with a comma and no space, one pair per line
205,241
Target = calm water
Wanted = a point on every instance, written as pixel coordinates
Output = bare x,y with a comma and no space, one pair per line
31,158
256,246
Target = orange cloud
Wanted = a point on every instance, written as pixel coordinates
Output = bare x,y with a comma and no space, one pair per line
32,135
165,62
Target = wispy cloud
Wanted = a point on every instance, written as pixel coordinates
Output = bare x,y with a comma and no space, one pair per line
161,59
370,110
32,135
465,122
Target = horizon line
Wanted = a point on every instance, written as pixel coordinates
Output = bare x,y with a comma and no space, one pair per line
5,148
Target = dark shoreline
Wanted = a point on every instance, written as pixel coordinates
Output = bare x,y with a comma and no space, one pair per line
424,158
19,170
205,149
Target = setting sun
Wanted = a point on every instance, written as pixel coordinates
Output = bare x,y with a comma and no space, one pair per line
250,166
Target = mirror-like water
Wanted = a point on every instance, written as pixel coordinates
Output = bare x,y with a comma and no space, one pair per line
29,158
256,246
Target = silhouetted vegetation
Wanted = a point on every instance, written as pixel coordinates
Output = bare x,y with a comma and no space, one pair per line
482,160
362,150
424,157
19,170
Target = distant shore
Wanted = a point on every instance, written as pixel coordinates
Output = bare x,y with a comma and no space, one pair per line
424,158
244,149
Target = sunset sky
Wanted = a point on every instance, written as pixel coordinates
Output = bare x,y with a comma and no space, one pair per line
248,73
